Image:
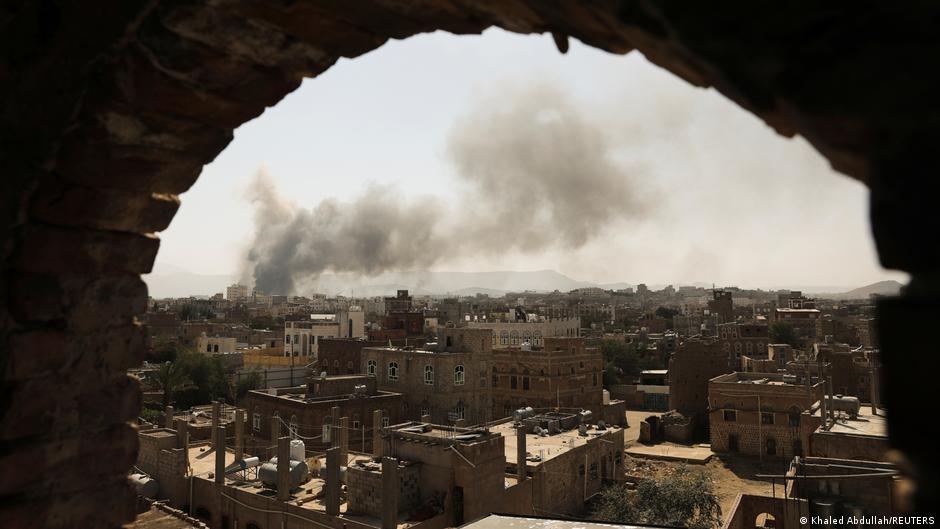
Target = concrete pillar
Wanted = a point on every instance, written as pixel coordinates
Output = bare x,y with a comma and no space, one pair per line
332,481
182,438
275,428
334,426
520,453
344,440
377,447
216,416
168,417
219,454
239,434
390,490
283,468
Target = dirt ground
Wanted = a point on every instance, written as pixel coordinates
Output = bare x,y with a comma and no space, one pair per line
730,474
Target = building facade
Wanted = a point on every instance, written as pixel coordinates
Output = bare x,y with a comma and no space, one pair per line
515,333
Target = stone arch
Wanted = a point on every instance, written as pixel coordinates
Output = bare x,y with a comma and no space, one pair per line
94,162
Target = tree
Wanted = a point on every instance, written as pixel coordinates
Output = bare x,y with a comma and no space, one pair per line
783,332
684,498
666,313
171,377
247,383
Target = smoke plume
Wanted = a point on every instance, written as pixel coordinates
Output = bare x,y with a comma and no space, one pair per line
534,172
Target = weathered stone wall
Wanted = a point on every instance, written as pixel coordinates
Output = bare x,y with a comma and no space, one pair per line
364,489
111,109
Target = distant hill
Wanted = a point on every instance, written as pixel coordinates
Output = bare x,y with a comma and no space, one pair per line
171,281
882,288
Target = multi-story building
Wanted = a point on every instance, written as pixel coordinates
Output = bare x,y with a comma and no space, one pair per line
237,293
562,373
739,339
805,322
301,338
449,382
722,305
215,344
762,414
696,361
514,333
402,302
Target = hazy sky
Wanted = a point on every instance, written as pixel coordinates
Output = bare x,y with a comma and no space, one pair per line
428,128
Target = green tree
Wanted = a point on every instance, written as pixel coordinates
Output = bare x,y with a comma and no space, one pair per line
171,377
666,313
783,332
246,383
685,498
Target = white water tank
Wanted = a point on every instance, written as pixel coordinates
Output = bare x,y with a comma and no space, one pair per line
298,450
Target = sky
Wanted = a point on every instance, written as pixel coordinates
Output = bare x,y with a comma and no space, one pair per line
497,152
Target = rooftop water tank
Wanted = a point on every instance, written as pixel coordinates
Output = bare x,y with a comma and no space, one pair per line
268,473
298,450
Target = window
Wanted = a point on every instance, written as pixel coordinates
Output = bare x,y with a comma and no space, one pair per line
580,470
793,419
514,337
771,447
504,338
356,422
594,378
393,370
494,338
525,383
287,339
459,411
425,410
495,381
429,375
370,367
385,422
349,367
256,422
766,417
513,382
537,338
592,473
458,376
731,415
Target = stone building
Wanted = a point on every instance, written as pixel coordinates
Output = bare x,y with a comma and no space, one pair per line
722,305
562,373
740,339
696,361
762,414
805,322
448,381
515,333
308,411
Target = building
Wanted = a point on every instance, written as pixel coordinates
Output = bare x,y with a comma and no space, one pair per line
215,344
308,410
399,325
697,360
447,380
513,333
856,489
721,305
805,322
562,373
237,293
738,339
402,302
301,337
762,414
343,356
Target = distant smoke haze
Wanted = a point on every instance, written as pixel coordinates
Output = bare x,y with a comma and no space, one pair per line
534,173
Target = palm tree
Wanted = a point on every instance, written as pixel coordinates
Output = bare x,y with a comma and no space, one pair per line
171,377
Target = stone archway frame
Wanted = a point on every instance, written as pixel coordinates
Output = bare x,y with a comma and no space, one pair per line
111,109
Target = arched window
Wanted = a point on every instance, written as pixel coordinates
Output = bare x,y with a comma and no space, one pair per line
459,411
514,338
495,338
771,447
458,376
393,370
537,338
429,375
349,367
504,338
370,367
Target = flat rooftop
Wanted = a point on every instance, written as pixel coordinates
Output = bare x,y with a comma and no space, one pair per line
548,447
310,495
865,424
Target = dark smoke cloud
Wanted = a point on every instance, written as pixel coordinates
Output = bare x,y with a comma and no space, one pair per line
535,173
